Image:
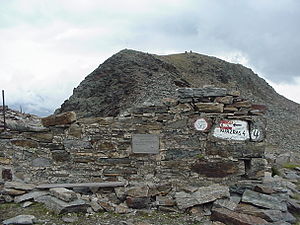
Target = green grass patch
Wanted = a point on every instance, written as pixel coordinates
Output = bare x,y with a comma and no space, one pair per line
275,171
290,166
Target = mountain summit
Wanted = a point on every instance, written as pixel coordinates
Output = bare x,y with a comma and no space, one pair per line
130,78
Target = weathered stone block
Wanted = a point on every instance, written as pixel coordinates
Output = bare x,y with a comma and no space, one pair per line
75,130
29,196
60,155
263,200
257,168
113,161
114,172
62,207
202,195
231,149
77,144
59,119
224,100
21,219
267,214
210,107
63,194
201,92
218,167
5,161
225,203
13,192
175,154
39,136
233,218
19,186
164,201
230,109
138,203
41,162
178,124
242,104
25,143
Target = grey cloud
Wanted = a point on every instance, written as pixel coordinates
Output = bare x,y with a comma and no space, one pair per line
267,34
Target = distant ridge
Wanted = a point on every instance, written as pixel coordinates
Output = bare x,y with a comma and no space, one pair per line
130,77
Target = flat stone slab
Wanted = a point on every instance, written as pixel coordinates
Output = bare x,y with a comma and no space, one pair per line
201,92
80,185
21,219
62,207
19,186
202,195
29,196
63,194
270,215
230,217
263,200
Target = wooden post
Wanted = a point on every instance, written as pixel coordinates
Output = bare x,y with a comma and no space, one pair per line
3,101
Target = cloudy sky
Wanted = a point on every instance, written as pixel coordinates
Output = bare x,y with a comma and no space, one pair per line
48,46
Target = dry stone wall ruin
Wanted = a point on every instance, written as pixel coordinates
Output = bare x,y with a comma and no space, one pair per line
203,136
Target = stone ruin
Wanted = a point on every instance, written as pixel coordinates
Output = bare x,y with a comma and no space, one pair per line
179,155
207,134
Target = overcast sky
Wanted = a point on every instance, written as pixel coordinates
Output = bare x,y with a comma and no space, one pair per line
48,46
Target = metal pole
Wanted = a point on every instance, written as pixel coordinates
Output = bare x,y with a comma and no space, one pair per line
3,110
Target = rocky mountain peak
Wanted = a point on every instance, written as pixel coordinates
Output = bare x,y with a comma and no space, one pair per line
130,78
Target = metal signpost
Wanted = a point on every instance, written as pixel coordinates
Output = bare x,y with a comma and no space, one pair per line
3,101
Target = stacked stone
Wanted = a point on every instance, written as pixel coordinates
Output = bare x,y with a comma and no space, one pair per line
219,100
185,138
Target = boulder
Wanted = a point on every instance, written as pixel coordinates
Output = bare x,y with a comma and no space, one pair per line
62,207
202,195
141,191
138,203
63,194
59,119
21,219
122,209
29,196
263,200
233,218
270,215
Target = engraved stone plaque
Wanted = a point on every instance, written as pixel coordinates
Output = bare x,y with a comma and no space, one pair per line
145,143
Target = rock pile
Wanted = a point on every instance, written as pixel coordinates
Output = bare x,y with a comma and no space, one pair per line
270,201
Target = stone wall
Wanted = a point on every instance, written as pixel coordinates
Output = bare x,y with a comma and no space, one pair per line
203,136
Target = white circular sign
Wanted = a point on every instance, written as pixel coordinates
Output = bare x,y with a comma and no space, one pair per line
255,134
201,124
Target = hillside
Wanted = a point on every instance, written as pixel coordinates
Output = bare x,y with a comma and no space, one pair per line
130,77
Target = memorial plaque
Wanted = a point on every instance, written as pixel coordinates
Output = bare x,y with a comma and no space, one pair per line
145,143
232,130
